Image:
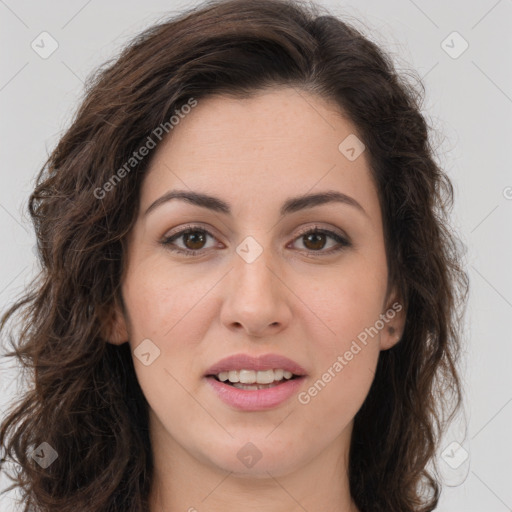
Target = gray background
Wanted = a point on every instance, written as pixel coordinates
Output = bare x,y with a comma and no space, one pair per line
468,101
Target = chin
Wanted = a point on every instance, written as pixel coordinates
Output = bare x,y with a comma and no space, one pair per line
255,459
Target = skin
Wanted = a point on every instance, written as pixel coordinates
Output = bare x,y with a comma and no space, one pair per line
254,154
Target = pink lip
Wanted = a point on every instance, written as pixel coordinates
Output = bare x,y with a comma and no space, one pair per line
247,362
255,399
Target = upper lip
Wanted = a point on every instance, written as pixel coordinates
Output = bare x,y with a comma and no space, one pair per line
248,362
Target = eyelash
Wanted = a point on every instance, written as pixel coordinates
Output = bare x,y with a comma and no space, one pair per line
344,243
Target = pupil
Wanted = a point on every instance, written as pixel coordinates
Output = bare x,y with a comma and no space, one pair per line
194,234
320,242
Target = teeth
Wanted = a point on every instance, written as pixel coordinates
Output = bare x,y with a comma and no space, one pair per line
247,376
254,377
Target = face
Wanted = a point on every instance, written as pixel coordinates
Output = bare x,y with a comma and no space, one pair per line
248,280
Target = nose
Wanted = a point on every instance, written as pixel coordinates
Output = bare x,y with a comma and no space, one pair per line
256,297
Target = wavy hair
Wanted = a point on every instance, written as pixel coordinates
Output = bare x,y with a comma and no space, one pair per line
83,398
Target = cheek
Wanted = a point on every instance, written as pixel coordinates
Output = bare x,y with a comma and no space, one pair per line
161,301
349,303
166,308
337,391
346,343
163,306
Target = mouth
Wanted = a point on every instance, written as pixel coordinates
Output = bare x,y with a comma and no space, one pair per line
254,380
249,383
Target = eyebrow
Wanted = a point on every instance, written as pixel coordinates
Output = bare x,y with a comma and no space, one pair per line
291,205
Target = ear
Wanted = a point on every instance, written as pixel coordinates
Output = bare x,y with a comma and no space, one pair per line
393,315
115,329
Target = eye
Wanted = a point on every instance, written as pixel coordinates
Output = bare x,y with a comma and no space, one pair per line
314,239
194,238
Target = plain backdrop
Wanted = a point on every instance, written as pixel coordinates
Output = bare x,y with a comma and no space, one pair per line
460,49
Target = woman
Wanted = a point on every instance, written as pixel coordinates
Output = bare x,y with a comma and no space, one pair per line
249,289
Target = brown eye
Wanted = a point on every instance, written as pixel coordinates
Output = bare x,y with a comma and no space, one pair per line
315,241
193,240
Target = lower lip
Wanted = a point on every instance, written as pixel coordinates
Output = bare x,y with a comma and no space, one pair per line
255,399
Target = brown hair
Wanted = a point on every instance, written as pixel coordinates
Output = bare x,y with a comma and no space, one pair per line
84,399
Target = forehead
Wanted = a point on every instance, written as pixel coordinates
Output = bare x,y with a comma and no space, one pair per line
278,143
